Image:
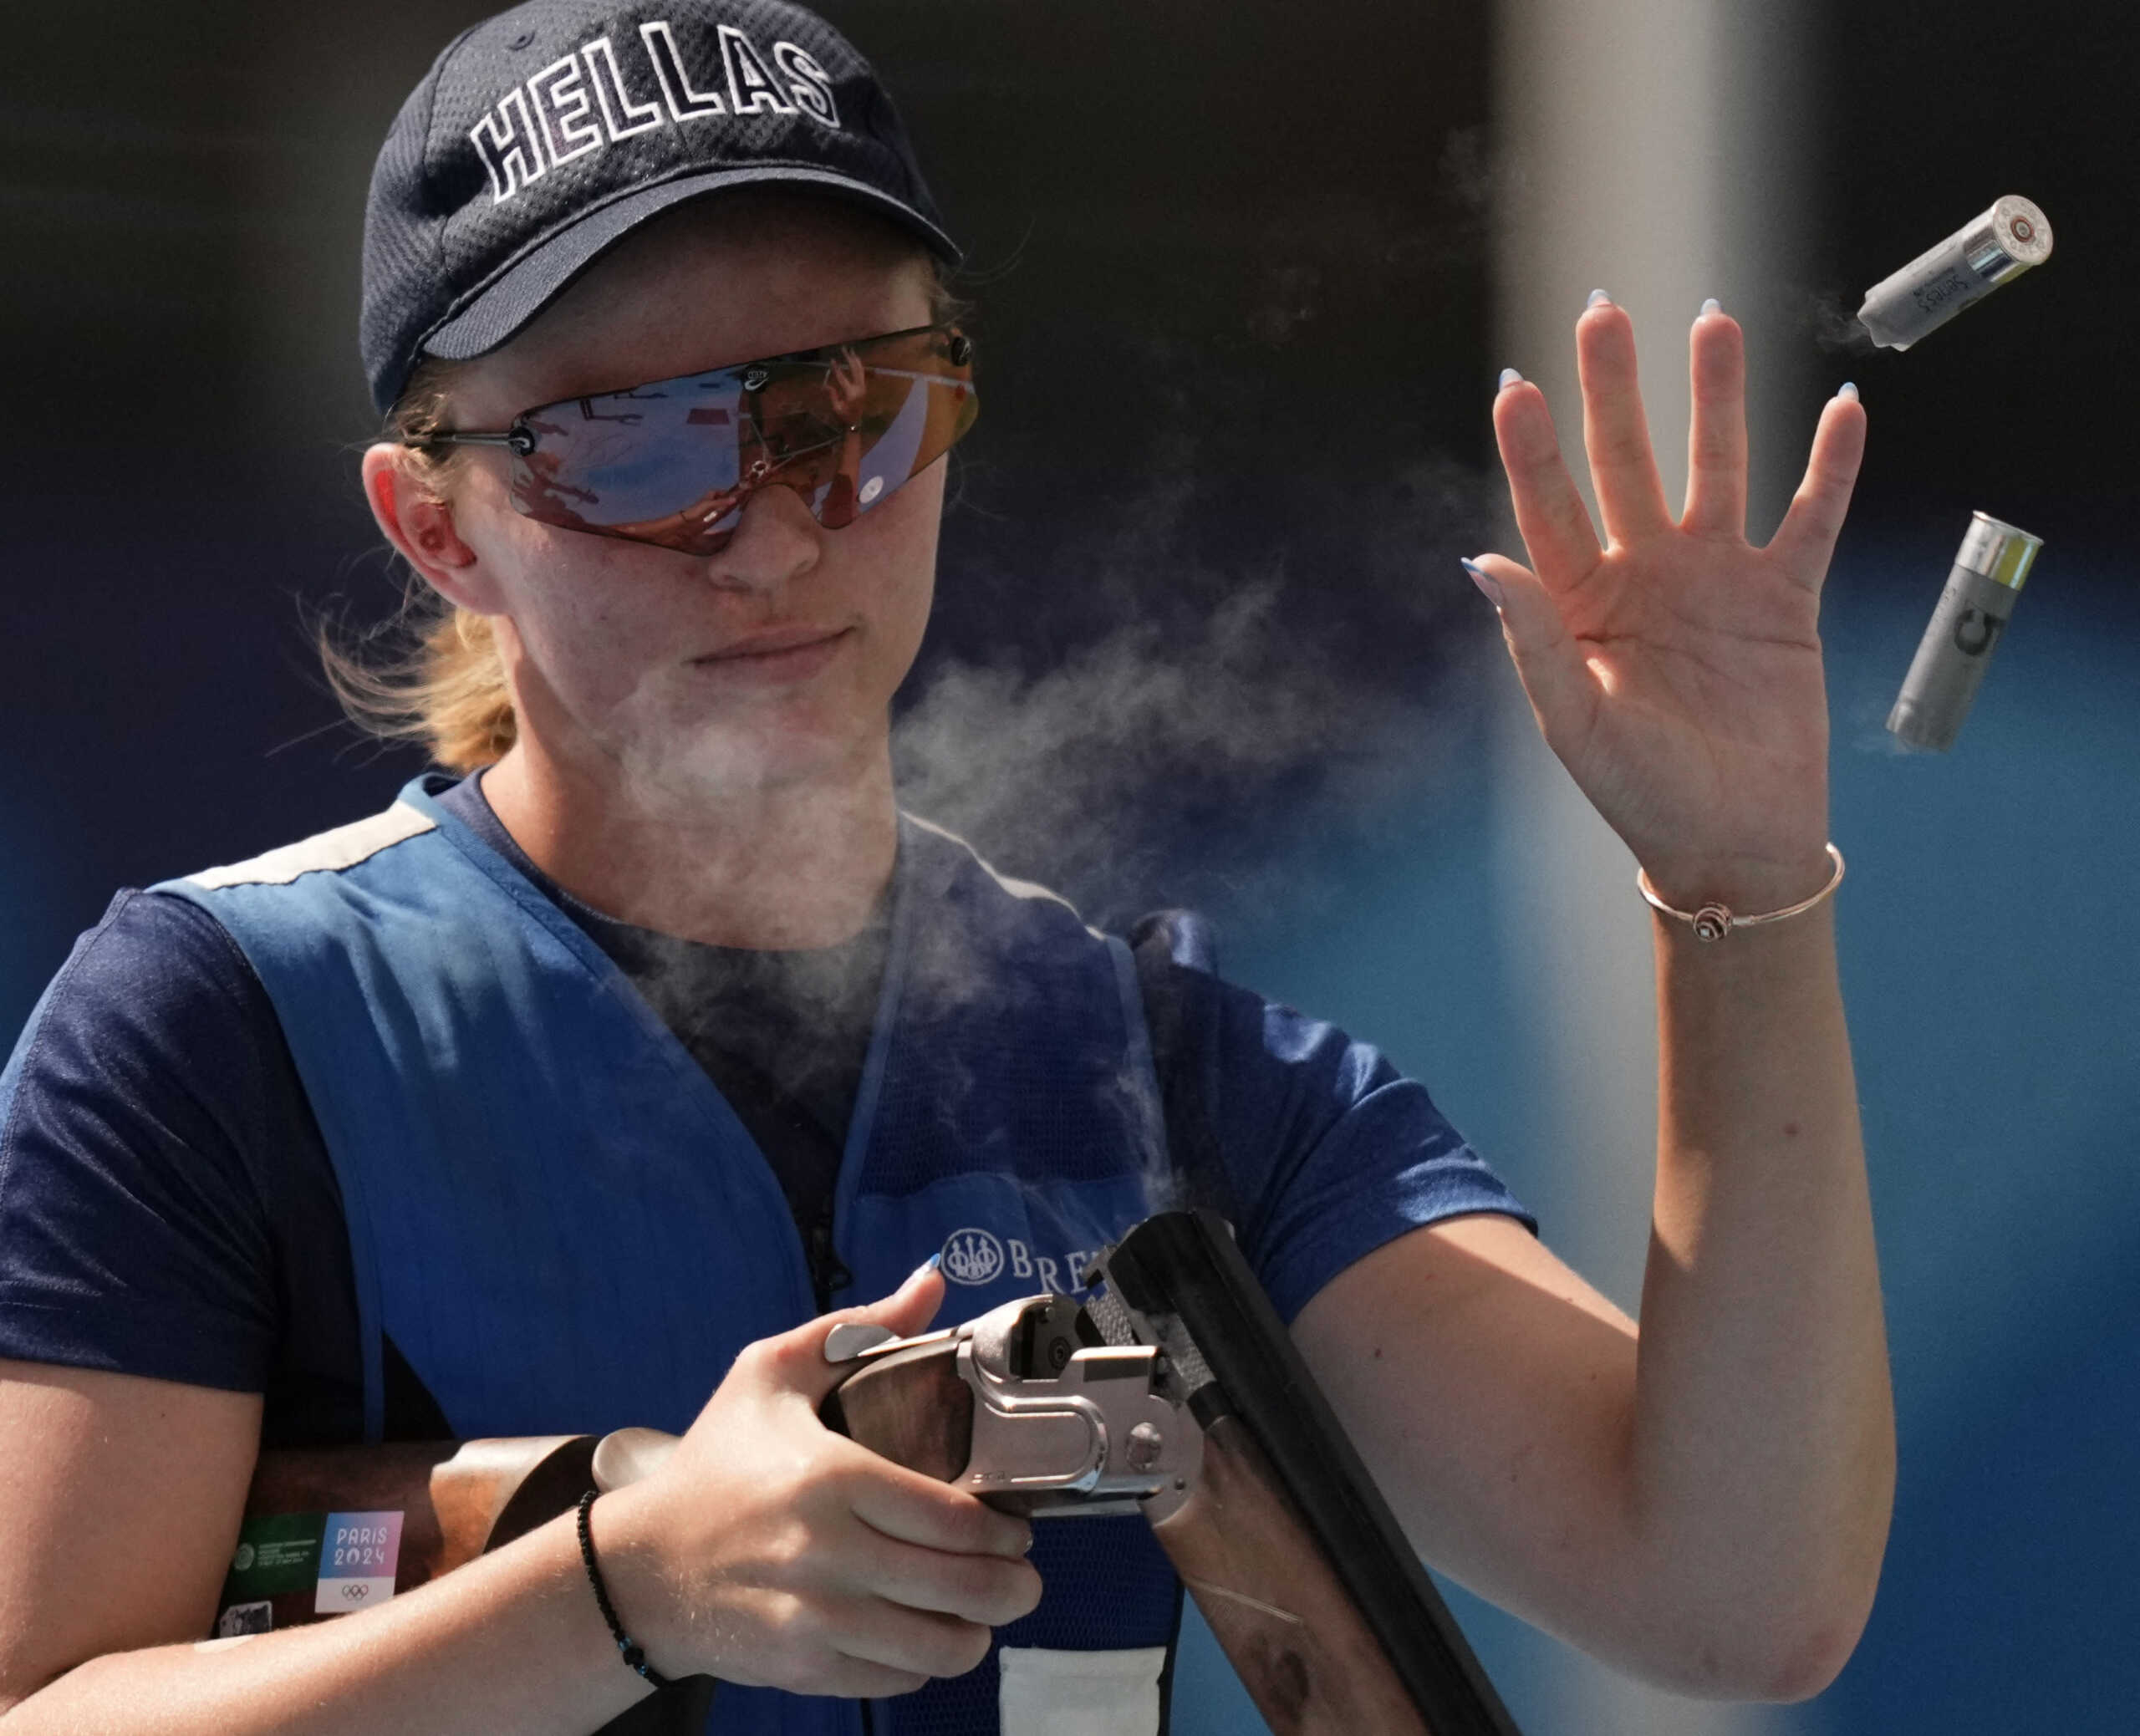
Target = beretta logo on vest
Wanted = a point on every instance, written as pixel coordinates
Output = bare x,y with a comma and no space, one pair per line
972,1256
594,97
975,1256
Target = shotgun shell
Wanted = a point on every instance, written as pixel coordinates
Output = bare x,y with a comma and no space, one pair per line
1988,250
1956,650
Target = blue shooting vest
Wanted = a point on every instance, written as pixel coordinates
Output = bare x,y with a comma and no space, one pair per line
565,1228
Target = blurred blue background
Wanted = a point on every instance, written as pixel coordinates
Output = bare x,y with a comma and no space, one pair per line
1243,293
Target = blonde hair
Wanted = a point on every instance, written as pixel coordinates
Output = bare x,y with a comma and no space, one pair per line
431,674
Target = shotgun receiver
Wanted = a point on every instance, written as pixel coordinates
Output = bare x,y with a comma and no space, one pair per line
1177,1389
1173,1391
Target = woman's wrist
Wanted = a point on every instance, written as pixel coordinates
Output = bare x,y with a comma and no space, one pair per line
1745,885
628,1649
625,1541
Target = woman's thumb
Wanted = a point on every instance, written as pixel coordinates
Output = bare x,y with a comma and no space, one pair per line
814,1357
1547,660
908,1309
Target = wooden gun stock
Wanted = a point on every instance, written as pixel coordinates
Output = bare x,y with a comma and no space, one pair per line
457,1499
1291,1631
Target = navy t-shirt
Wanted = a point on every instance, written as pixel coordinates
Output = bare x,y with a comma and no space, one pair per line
168,1209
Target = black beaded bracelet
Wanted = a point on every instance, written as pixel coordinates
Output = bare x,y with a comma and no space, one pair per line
628,1648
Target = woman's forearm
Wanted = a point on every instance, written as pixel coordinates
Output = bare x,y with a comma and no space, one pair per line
513,1642
1763,1455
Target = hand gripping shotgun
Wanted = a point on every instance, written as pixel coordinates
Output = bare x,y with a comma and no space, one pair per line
1175,1391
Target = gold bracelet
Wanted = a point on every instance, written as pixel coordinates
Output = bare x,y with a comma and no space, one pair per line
1714,921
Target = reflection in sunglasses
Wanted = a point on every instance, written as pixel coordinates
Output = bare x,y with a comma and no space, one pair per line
671,462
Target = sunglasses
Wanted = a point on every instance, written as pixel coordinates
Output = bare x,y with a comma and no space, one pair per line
673,462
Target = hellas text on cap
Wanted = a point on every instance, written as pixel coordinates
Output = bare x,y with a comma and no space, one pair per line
585,102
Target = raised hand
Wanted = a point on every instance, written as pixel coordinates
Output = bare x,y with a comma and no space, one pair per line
767,1550
847,385
1676,668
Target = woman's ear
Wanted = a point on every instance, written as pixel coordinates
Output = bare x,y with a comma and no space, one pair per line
420,527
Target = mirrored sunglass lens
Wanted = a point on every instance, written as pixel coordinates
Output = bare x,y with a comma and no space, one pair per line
671,463
625,460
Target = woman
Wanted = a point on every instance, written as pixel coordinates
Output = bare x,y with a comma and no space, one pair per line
564,1093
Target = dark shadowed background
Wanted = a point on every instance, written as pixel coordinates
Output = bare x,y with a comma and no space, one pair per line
1201,635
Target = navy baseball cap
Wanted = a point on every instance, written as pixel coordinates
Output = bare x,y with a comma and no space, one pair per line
544,136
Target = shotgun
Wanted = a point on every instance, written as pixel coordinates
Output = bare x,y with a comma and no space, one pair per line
1173,1390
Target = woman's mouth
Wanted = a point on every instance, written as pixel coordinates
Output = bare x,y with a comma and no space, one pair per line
782,655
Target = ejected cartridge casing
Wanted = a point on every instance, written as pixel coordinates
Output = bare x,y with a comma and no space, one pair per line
1984,253
1956,650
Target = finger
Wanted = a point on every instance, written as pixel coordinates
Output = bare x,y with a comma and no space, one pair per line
910,1508
975,1588
797,1359
1806,541
875,1632
1716,437
1548,659
1623,467
1549,515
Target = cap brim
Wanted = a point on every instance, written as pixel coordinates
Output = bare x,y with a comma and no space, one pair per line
523,288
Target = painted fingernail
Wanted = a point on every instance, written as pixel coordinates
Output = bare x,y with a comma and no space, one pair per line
1485,582
1598,297
1509,377
1711,306
1848,389
929,1264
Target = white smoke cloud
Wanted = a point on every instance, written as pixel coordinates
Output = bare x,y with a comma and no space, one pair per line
1225,717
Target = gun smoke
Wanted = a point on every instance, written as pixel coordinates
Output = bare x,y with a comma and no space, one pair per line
1830,318
1182,720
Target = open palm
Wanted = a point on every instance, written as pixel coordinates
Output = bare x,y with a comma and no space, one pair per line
1675,669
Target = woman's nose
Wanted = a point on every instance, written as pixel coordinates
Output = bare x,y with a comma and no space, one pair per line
776,540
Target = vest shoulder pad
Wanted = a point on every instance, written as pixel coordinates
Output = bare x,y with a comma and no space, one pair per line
343,847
